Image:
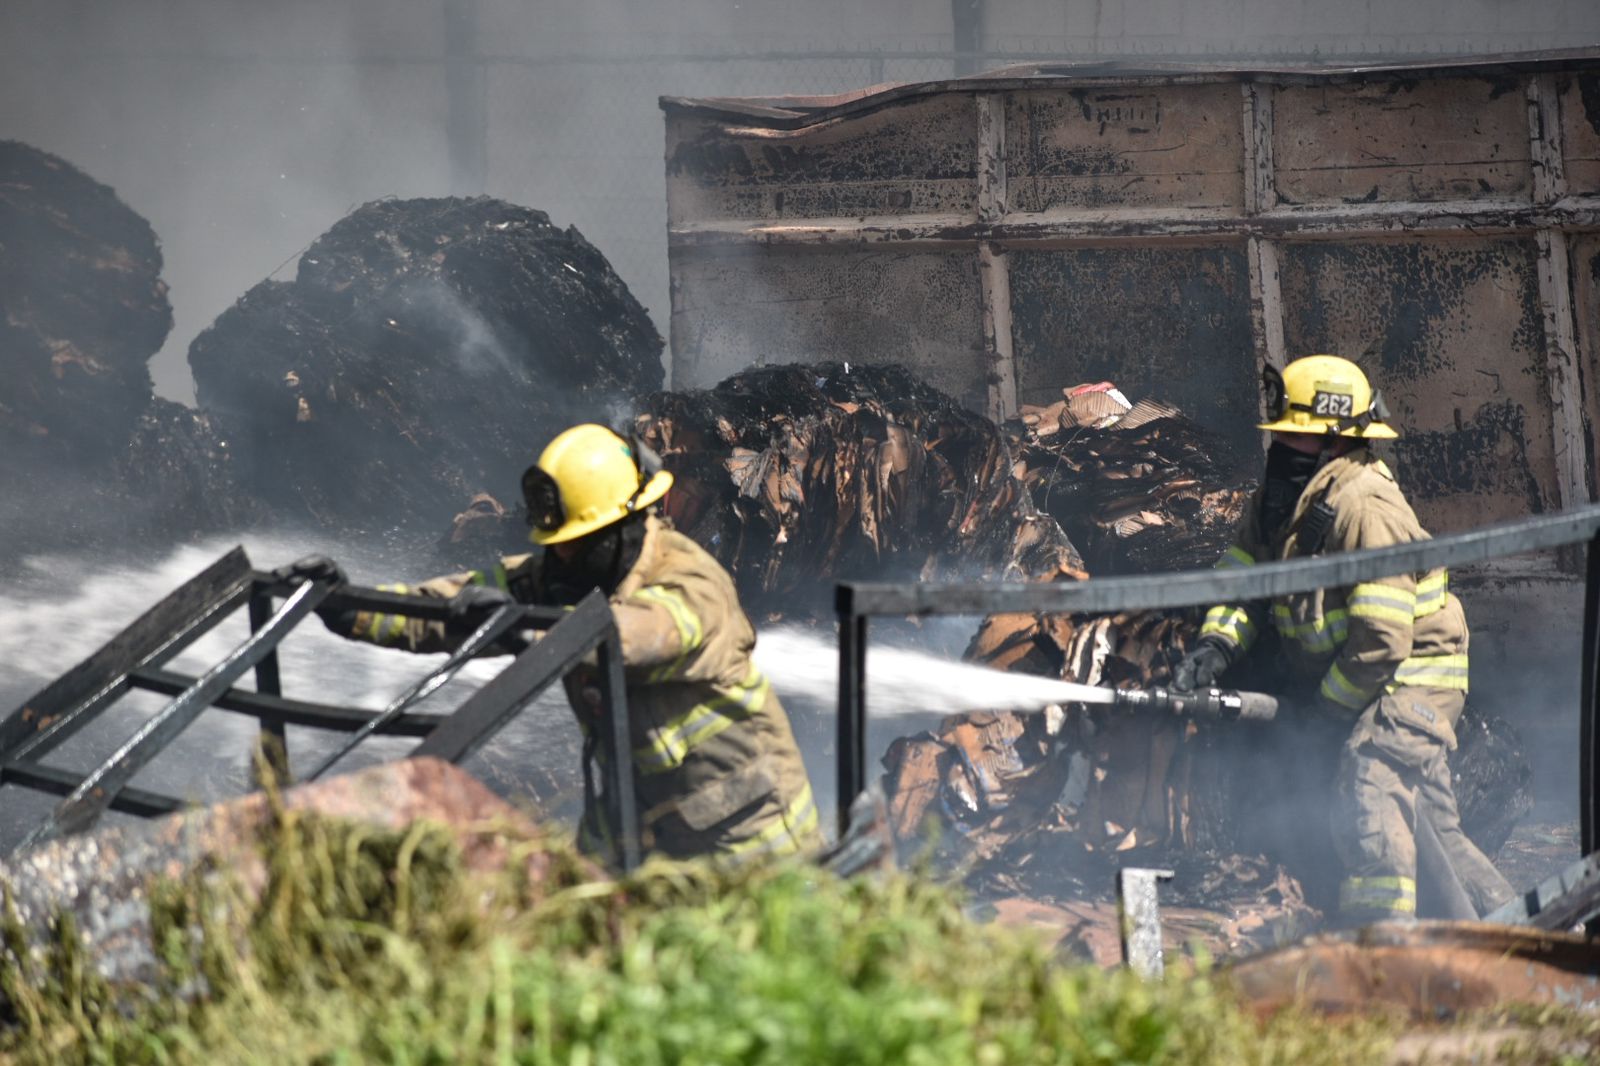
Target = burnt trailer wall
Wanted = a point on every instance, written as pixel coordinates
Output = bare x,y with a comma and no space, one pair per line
1174,230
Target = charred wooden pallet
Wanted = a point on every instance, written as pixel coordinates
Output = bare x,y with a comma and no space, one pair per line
138,657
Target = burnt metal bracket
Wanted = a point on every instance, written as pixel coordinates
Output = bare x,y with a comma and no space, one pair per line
856,602
136,658
1139,914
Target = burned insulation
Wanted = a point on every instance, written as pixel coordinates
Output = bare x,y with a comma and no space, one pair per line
796,477
422,354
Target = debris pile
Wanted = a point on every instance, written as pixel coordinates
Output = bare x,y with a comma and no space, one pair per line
423,350
1138,487
89,457
799,476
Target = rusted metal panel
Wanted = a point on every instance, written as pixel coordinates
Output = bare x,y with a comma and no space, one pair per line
917,158
732,310
1453,332
1161,146
1170,322
1429,971
1584,274
1456,139
1580,131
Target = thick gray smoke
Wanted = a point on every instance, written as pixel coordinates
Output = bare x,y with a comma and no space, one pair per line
242,130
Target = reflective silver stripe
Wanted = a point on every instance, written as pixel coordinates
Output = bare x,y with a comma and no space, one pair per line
1433,671
1319,635
670,744
1235,556
1340,689
1396,895
1432,593
786,835
1232,623
1385,602
690,631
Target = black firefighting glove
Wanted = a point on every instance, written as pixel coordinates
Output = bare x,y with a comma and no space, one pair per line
316,567
311,568
469,608
1204,663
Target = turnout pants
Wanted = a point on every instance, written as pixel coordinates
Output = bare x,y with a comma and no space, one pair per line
1392,771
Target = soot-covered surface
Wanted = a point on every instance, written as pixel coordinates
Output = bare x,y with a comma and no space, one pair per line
423,352
89,458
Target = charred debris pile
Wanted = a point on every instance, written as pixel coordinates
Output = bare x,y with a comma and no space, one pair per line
422,348
797,476
1138,487
88,454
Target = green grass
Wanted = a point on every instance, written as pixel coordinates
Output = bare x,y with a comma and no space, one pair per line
372,946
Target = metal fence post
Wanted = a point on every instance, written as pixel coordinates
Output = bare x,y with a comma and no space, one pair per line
1588,736
272,740
852,753
620,788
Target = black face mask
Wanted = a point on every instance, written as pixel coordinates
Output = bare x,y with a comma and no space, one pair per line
1288,472
599,561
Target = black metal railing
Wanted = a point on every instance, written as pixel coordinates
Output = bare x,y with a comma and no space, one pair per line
137,658
858,601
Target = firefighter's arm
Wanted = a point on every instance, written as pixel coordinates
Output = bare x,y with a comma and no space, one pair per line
1234,624
397,630
661,632
1380,615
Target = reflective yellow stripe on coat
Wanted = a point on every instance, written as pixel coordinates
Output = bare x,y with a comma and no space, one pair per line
386,628
1384,895
785,836
691,634
1230,621
1432,671
1318,636
670,743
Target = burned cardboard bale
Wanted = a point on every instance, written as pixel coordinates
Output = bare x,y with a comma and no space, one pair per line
82,309
799,476
89,457
1138,487
423,351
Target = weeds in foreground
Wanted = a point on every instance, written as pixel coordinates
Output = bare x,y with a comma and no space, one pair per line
365,945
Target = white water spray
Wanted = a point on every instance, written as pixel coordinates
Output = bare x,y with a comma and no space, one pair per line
804,664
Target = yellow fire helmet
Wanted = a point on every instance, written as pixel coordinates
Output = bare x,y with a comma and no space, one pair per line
1324,394
586,479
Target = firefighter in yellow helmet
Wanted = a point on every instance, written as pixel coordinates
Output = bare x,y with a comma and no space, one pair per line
1388,656
717,770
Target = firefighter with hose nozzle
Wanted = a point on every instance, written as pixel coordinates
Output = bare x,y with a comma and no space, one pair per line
1388,656
716,767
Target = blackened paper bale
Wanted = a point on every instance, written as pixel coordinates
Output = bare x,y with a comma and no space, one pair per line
82,309
422,354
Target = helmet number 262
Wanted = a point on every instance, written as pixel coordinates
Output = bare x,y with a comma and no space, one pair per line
1333,404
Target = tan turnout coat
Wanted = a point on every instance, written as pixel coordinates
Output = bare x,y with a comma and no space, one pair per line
717,769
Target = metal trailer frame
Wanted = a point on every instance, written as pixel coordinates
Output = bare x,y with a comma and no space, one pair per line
137,658
856,602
